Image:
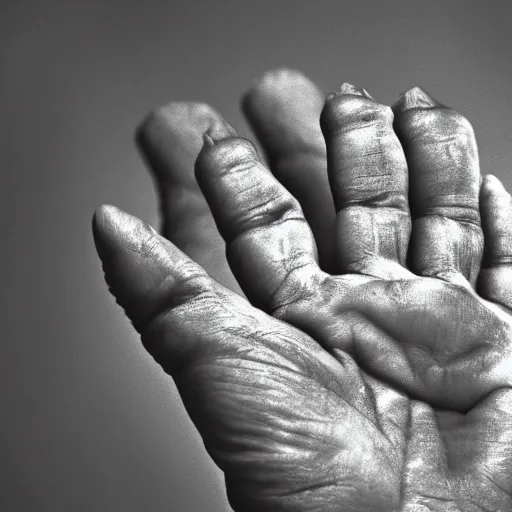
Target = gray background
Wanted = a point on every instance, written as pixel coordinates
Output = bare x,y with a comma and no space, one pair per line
89,421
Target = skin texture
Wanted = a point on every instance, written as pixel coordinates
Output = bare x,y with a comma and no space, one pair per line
369,365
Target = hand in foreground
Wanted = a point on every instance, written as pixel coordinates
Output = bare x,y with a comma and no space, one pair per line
373,389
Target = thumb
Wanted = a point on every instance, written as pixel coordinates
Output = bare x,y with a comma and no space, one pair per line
145,272
123,244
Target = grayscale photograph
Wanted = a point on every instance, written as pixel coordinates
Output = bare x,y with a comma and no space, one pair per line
258,256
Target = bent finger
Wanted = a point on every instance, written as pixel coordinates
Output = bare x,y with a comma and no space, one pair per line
444,177
270,246
369,182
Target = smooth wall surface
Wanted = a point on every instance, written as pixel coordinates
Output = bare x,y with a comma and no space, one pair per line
89,422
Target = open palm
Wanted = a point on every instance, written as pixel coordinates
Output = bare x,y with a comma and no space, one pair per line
377,380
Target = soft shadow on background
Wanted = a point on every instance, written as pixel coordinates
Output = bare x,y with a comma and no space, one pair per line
90,422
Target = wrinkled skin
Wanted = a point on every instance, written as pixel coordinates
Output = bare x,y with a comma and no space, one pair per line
369,367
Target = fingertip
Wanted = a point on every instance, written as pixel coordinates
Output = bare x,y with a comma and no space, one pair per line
492,190
165,119
278,82
133,260
413,99
104,231
351,106
176,125
116,232
346,88
279,91
283,107
496,202
493,183
103,221
108,219
106,211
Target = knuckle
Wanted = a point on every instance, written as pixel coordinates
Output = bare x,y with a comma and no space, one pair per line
371,198
349,112
175,115
270,209
189,286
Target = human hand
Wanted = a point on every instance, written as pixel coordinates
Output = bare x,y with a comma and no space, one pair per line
283,108
394,393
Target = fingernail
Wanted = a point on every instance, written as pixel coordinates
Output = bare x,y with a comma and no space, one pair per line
416,98
346,88
367,94
217,132
207,139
